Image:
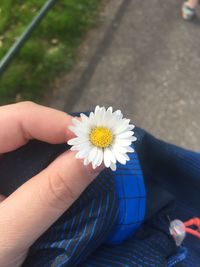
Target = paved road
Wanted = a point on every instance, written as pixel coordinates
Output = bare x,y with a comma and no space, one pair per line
143,59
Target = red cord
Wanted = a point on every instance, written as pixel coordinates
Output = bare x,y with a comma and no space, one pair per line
193,222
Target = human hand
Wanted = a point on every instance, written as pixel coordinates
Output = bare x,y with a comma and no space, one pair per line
32,208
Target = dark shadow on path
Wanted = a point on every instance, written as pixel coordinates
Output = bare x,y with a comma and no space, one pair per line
78,90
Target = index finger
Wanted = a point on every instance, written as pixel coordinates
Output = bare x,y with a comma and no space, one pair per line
26,120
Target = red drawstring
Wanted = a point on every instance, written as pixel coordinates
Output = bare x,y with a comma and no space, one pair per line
193,222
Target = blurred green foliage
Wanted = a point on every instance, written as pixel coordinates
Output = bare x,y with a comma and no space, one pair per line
50,50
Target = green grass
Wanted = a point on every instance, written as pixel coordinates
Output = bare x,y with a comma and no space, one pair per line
51,49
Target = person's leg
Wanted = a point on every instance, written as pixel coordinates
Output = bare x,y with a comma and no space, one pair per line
188,9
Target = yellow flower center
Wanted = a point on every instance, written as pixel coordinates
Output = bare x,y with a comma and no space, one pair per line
101,137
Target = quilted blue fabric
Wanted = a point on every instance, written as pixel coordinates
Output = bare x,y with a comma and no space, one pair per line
85,234
129,184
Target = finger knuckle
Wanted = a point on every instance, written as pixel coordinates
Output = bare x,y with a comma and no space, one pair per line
27,104
60,190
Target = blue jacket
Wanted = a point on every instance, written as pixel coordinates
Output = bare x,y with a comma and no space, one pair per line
122,218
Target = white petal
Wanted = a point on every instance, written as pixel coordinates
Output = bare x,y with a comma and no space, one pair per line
77,141
92,120
86,161
120,127
127,121
118,114
79,131
95,160
111,154
110,109
130,127
79,147
127,157
101,119
92,154
132,138
98,118
97,109
113,166
123,142
120,157
129,149
84,152
82,129
99,157
123,149
106,156
100,160
110,122
120,149
72,128
84,118
79,155
125,134
73,141
108,114
128,139
93,166
91,115
75,121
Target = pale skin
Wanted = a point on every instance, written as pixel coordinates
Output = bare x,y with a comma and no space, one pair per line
192,3
32,208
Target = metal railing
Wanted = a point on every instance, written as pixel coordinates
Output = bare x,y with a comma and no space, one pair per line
6,60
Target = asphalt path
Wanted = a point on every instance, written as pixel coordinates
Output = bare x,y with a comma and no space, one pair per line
144,59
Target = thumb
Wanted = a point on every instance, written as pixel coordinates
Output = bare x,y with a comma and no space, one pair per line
32,208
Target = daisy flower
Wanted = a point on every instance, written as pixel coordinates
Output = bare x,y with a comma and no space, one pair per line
103,137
